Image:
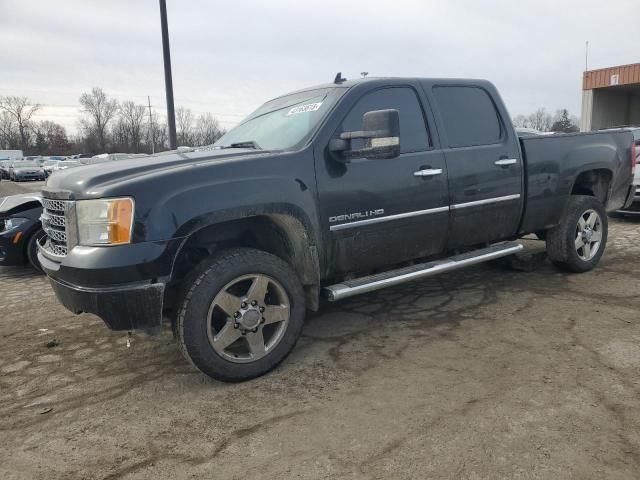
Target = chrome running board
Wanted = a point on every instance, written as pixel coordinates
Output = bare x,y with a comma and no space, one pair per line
349,288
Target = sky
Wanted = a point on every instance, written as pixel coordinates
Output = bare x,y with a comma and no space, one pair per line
228,57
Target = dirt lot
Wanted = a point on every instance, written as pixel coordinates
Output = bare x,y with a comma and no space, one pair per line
485,373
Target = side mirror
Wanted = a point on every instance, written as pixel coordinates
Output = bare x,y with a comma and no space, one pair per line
380,134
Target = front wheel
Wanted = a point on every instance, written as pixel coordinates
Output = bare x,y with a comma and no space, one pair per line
241,313
577,244
32,249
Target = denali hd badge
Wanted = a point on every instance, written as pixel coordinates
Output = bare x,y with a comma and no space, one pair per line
357,215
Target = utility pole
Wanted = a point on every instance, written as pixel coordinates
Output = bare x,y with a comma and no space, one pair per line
152,133
171,115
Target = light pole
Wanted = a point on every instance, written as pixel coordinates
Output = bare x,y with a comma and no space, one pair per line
168,83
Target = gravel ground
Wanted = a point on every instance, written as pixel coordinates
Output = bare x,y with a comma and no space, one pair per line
13,188
483,373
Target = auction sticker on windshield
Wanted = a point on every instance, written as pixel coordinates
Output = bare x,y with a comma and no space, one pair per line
309,107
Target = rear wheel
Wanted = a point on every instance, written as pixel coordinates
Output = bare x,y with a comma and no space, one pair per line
241,313
577,244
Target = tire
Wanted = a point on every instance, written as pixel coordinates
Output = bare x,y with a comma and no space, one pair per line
32,250
234,344
570,246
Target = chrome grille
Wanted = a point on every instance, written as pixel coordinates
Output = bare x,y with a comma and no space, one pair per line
54,223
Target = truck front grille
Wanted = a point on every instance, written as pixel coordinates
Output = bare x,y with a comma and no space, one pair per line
54,223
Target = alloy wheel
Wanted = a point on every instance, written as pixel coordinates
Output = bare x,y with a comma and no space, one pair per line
248,317
588,235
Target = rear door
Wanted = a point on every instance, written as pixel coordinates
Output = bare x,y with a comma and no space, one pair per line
484,164
380,212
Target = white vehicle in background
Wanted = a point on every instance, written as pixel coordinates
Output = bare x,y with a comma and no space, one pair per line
64,164
11,155
48,166
110,157
530,132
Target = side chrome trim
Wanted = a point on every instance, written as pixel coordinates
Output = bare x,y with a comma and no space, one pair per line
369,221
486,201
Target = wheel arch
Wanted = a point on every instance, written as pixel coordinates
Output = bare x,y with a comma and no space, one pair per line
594,182
281,234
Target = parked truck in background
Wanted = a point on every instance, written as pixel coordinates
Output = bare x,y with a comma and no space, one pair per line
330,191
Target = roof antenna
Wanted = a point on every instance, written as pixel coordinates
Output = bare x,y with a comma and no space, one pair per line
339,79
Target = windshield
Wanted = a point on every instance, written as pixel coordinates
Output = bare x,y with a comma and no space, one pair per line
25,165
282,123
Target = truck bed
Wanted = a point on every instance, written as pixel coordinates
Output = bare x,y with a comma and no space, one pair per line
553,164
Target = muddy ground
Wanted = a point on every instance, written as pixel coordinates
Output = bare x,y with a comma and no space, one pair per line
484,373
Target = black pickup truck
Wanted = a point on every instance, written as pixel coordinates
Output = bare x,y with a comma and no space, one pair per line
330,191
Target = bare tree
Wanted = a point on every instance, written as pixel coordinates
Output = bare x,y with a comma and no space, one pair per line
99,110
9,135
21,110
540,120
133,116
208,130
520,121
50,138
119,135
157,135
184,126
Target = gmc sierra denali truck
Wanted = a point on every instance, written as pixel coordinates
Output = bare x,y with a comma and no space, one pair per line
330,191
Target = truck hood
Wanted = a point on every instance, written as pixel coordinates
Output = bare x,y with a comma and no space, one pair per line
95,181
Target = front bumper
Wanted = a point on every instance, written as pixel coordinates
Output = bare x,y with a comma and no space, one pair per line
12,245
29,177
122,307
123,285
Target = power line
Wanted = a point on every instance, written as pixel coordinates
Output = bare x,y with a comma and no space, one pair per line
78,107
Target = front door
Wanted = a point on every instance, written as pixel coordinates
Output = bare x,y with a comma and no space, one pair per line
381,212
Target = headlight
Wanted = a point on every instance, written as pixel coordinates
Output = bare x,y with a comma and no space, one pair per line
106,221
11,223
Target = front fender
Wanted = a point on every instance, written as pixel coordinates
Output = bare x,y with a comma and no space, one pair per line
203,194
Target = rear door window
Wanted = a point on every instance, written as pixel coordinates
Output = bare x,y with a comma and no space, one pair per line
469,115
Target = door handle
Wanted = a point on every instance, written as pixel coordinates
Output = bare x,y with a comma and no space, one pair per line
506,161
429,172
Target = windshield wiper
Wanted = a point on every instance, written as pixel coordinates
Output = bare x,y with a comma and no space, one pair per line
245,144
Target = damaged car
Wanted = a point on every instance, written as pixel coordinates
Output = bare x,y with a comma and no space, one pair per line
20,229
